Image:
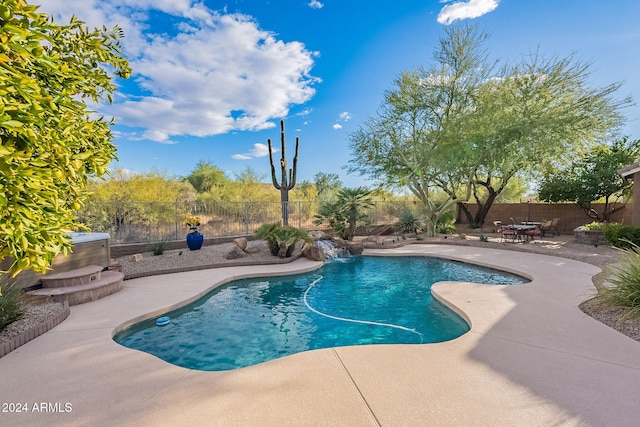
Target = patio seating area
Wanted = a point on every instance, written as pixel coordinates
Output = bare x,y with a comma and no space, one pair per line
518,230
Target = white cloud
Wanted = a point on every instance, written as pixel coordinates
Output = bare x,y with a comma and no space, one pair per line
465,9
212,73
346,116
305,112
315,4
258,150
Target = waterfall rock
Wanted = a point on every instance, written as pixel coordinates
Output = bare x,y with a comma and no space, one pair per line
314,252
331,248
319,235
355,248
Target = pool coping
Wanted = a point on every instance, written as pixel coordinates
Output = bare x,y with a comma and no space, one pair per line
531,358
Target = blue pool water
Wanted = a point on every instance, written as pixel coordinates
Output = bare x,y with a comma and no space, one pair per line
353,301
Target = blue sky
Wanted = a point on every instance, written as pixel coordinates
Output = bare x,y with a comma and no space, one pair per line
212,79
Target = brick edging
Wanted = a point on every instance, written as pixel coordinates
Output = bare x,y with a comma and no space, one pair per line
26,336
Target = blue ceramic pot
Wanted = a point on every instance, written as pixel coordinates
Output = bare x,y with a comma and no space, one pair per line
194,240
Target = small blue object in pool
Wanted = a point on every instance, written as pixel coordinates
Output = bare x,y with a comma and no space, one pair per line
164,320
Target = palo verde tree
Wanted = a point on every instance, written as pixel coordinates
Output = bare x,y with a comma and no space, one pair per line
50,140
135,198
412,143
209,181
467,127
594,176
534,116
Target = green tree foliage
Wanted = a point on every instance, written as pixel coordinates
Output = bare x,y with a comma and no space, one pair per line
135,198
328,185
305,192
347,213
412,141
592,177
463,125
209,181
536,114
50,140
250,186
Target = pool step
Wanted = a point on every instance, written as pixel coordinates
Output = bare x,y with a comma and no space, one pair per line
79,276
81,285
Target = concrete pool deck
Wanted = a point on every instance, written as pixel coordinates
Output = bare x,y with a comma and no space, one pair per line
532,358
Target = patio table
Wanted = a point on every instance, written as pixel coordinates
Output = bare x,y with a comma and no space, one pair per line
520,230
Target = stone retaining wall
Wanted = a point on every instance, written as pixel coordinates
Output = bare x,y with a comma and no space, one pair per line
589,237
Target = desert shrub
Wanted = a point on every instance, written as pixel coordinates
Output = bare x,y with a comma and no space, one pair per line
11,301
447,223
594,226
281,239
158,248
626,282
408,222
621,235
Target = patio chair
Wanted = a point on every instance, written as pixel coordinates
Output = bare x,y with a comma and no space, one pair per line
508,232
531,234
550,226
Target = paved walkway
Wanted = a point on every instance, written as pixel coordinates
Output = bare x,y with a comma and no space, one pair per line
532,358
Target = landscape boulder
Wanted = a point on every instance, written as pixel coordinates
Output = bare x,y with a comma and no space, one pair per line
241,242
234,253
355,248
319,235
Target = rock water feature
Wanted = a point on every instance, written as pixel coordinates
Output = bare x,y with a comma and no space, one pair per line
332,249
326,247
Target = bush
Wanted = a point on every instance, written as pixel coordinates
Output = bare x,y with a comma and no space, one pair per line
11,301
408,222
621,235
594,226
281,239
159,247
626,280
447,223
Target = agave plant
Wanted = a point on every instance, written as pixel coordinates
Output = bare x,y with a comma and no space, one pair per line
408,223
281,239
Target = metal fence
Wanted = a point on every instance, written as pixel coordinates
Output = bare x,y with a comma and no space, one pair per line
136,222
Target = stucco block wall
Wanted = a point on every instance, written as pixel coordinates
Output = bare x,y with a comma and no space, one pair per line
571,216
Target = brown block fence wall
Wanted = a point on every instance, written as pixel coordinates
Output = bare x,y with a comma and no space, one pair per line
571,216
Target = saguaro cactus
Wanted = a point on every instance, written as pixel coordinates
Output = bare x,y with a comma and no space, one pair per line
285,184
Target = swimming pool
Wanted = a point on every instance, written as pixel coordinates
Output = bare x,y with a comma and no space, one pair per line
353,301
